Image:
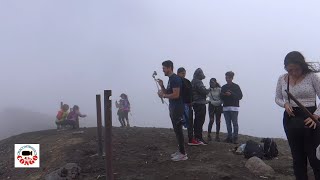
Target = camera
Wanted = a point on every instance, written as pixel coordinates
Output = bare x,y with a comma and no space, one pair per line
26,153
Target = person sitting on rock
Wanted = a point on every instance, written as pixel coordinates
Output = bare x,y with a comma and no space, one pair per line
62,116
73,117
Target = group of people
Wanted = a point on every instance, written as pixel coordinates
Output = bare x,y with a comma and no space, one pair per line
302,130
123,110
67,118
188,99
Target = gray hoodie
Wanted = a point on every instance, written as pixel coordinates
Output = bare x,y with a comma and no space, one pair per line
199,91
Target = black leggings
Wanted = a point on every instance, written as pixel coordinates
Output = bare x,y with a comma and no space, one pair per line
190,125
303,143
199,118
214,111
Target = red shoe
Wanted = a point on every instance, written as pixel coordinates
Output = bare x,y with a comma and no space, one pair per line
194,142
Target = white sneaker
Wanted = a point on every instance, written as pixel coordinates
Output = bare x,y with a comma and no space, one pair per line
175,154
180,157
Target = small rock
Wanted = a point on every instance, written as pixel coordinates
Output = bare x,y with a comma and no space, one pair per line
78,132
68,171
258,167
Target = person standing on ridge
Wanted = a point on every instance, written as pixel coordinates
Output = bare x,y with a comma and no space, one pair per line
176,106
186,93
231,95
199,104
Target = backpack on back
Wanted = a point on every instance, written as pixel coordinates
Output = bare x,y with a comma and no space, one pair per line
59,115
253,149
126,105
270,148
186,90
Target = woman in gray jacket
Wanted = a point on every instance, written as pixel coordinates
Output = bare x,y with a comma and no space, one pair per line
199,94
215,108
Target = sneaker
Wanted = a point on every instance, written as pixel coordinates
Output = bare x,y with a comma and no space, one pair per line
194,142
217,139
202,142
209,137
180,157
235,141
175,154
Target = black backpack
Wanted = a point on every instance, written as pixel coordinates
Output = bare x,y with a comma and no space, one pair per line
186,91
253,149
270,148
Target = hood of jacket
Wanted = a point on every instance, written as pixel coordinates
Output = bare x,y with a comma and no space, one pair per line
198,74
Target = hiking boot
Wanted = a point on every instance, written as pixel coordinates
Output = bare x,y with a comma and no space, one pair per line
202,142
209,137
217,139
235,141
193,142
180,157
228,140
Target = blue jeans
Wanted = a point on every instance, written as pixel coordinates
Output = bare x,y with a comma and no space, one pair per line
186,114
231,117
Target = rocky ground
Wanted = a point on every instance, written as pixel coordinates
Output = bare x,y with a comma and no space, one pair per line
138,153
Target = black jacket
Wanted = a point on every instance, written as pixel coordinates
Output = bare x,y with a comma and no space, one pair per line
234,98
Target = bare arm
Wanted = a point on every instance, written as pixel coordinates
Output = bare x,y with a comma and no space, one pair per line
163,89
174,95
81,115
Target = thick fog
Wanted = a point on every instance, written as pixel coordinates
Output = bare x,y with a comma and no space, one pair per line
52,51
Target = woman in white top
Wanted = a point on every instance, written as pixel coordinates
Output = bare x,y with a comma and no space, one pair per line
215,107
302,133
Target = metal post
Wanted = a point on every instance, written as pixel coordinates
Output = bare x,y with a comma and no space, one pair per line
108,134
61,104
99,124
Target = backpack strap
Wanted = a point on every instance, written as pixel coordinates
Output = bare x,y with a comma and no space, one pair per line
288,88
270,144
315,102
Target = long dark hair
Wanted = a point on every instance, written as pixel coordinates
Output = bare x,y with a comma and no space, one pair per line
297,58
214,80
125,97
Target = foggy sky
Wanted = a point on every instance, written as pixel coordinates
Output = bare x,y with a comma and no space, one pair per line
52,51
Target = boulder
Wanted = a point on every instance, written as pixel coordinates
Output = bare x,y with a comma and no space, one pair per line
258,167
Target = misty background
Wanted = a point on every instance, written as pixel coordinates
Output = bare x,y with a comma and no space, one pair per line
52,51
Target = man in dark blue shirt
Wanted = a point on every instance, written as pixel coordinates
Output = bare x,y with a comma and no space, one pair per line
176,106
